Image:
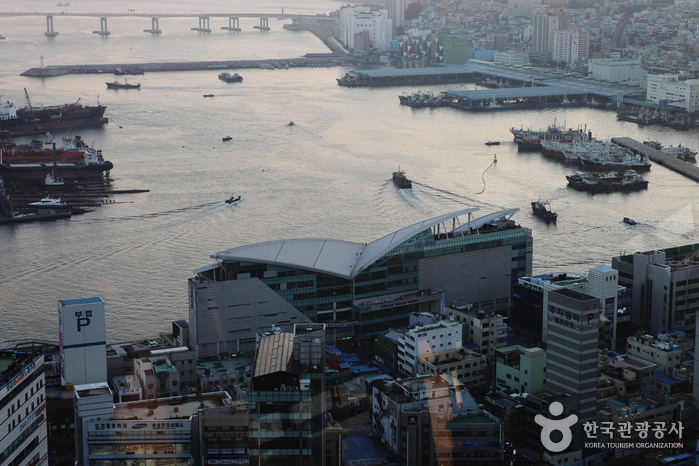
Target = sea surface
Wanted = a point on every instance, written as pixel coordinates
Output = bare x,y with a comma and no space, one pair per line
328,175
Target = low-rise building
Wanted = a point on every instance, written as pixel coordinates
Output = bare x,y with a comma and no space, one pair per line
468,367
615,70
520,370
662,353
442,336
486,329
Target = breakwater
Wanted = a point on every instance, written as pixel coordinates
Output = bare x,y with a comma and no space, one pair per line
661,158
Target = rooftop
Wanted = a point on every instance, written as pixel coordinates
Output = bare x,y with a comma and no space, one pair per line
170,408
347,259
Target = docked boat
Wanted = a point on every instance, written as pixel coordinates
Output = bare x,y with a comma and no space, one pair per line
230,78
492,143
422,99
128,71
233,200
680,152
124,85
401,180
527,139
92,167
39,119
51,181
653,144
629,221
627,180
72,150
227,138
48,202
543,212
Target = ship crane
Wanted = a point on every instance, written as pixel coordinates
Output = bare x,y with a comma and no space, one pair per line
31,109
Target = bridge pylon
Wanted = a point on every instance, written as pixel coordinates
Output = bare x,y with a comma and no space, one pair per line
155,26
264,24
203,24
49,27
104,31
233,24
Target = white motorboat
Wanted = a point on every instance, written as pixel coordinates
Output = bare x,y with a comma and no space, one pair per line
48,202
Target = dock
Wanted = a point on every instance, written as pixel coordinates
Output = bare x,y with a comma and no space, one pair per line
661,158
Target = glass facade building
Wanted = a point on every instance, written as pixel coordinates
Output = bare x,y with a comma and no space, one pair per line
373,287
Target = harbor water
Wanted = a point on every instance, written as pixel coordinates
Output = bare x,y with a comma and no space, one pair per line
328,175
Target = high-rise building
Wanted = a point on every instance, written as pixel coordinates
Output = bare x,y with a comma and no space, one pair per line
571,362
354,20
286,399
23,433
82,338
396,12
664,286
570,46
542,40
357,289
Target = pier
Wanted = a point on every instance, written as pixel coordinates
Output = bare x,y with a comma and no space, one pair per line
661,158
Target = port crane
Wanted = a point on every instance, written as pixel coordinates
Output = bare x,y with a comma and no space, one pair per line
31,109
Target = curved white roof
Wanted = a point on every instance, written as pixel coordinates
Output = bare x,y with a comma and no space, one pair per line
343,259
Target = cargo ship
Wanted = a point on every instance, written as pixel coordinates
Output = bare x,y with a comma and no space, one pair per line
124,85
401,180
72,150
37,120
92,167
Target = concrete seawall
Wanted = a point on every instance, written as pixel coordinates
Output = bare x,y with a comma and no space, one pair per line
661,158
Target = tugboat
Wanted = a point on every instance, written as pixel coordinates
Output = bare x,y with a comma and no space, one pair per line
401,180
544,213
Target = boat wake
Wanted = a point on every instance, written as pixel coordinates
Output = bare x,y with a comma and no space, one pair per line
457,198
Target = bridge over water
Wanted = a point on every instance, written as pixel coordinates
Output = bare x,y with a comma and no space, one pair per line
203,18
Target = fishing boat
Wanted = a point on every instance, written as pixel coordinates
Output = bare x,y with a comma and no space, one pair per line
543,212
124,85
625,181
230,78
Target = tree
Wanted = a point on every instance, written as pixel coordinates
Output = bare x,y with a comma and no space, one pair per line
413,11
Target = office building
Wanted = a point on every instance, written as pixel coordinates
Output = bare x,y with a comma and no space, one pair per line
23,433
520,370
376,24
82,337
357,289
286,399
671,90
158,430
614,70
571,351
664,285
